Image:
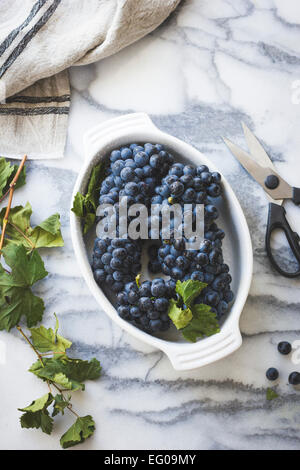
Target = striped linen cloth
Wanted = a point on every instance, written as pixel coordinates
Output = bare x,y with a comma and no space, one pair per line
39,40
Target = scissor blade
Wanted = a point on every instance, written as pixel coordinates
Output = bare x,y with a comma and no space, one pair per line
256,149
244,158
260,173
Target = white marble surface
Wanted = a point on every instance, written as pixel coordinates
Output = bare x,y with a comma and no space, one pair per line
211,65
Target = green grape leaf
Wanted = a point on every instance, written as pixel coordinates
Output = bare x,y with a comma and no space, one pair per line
36,415
16,297
53,371
189,290
60,403
97,176
90,219
67,372
85,206
78,205
179,317
81,370
82,429
7,173
45,340
204,323
46,234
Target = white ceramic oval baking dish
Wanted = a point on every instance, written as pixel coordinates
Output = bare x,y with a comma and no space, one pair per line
138,127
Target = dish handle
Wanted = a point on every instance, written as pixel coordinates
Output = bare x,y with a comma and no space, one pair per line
192,356
105,132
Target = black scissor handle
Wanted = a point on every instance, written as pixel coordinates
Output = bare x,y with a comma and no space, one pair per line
296,196
277,220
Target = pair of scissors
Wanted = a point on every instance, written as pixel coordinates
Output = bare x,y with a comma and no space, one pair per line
260,167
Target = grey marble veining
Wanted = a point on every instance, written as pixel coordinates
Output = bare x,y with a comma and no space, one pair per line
212,64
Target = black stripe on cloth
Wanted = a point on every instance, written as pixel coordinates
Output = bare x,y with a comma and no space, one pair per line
27,38
34,111
14,33
38,99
